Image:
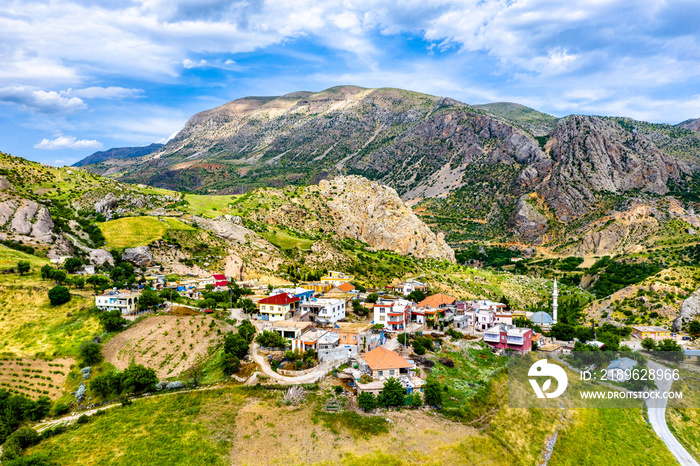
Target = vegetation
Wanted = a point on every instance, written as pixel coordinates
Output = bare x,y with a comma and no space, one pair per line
129,232
59,295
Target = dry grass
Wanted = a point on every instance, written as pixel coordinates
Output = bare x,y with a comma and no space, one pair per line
34,377
167,344
129,232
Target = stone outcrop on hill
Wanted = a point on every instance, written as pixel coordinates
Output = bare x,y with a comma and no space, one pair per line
100,257
375,214
528,222
689,310
140,256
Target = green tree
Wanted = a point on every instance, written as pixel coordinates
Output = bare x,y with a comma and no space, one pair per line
23,267
90,353
403,338
236,345
46,272
670,350
416,400
98,282
247,305
102,385
358,308
79,282
416,295
372,298
367,401
59,295
247,330
433,393
137,378
648,344
694,328
72,264
112,321
231,364
149,299
418,347
59,276
270,339
393,394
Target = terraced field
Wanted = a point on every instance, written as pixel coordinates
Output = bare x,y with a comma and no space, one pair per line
34,377
129,232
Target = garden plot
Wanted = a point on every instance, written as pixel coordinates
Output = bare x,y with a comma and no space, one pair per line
167,344
34,377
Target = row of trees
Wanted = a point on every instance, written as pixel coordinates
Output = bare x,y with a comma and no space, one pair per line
393,395
14,409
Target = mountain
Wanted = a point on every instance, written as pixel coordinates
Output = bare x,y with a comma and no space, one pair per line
118,153
498,170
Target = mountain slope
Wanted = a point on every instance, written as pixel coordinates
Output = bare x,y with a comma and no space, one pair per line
496,170
118,153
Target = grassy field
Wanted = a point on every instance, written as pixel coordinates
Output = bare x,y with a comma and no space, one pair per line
180,429
683,416
208,206
285,240
129,232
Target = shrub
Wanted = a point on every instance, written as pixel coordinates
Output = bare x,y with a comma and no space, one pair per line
433,394
236,345
393,394
418,347
60,409
91,353
82,419
59,295
231,364
367,401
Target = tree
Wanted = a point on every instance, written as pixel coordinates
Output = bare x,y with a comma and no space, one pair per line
247,330
403,338
59,276
59,295
231,364
358,308
367,401
393,394
247,305
236,345
149,299
195,372
209,287
418,347
137,378
90,353
23,267
416,295
72,264
694,328
648,344
415,400
98,282
102,385
372,298
112,321
46,272
270,339
562,331
79,282
433,393
670,350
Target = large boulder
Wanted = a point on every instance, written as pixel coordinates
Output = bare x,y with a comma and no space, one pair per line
21,222
105,205
528,222
43,225
7,211
140,256
100,256
689,309
4,184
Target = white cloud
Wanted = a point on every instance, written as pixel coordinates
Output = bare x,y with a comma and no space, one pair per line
41,101
111,92
62,141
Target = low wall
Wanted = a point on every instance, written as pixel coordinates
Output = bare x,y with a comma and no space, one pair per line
295,373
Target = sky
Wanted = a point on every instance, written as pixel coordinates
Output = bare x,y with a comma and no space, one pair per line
81,76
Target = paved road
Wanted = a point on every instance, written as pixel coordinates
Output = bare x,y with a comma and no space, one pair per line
657,418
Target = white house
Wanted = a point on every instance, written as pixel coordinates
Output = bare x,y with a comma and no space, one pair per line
125,301
323,310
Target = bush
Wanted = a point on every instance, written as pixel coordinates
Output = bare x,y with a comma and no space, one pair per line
290,355
60,409
82,419
91,353
112,321
367,401
231,364
393,394
270,339
418,348
236,345
59,295
433,393
137,378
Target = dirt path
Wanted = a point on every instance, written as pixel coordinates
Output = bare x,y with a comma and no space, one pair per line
320,370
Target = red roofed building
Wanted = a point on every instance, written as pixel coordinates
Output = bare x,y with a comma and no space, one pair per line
277,307
220,280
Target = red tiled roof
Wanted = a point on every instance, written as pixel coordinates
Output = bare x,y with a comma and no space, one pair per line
346,287
436,300
281,299
223,283
220,277
381,358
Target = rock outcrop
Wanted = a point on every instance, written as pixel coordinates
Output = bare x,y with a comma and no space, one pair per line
105,205
43,225
100,257
375,214
689,309
226,227
140,256
21,221
528,222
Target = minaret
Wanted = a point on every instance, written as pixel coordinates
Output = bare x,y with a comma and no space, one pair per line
555,295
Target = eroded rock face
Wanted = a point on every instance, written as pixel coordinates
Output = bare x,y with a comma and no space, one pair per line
375,214
104,206
100,256
7,211
528,222
140,256
4,184
689,309
226,227
43,225
21,221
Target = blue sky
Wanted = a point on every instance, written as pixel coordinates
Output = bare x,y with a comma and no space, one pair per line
78,76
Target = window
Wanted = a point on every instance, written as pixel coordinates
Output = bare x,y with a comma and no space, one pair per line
381,373
391,372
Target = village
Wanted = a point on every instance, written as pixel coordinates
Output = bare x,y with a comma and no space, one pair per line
374,334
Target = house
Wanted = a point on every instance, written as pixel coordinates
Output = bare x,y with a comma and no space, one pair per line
220,280
323,310
343,288
620,369
289,328
504,336
317,287
352,333
382,363
461,321
277,307
303,294
392,314
503,318
308,340
437,301
331,349
336,278
409,286
644,331
125,301
691,355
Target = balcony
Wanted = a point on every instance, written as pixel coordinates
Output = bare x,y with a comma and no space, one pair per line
515,341
492,337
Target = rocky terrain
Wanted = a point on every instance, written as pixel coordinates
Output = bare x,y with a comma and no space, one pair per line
470,168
